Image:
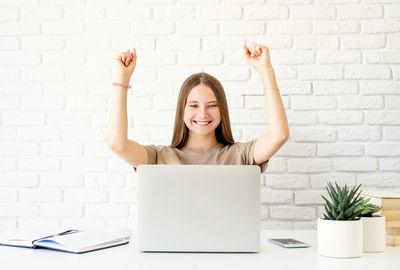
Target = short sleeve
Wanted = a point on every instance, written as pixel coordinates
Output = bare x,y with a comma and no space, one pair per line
151,154
247,151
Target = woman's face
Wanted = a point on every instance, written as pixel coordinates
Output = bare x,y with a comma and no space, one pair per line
202,114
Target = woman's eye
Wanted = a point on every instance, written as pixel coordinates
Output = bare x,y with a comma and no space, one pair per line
210,106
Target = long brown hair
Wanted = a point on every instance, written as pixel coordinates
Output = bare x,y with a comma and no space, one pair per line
223,132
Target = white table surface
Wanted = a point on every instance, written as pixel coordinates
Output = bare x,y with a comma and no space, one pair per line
270,257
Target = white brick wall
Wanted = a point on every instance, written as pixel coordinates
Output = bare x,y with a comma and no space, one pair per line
337,64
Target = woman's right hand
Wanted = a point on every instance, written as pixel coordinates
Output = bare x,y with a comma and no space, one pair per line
124,65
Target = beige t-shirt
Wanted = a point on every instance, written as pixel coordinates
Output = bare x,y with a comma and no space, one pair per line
236,154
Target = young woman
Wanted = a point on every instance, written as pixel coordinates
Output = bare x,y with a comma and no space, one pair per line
202,132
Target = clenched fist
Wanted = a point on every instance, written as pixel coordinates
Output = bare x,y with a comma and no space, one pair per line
257,56
124,65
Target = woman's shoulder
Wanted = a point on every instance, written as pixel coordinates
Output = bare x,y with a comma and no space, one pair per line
158,147
161,154
240,146
161,149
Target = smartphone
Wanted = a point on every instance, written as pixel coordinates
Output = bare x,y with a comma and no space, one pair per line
288,243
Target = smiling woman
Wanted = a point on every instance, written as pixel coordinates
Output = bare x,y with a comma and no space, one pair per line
202,117
202,131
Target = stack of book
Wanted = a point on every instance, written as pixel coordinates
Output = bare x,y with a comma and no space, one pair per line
390,208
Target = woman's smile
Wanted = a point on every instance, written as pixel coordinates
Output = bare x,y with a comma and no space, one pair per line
202,123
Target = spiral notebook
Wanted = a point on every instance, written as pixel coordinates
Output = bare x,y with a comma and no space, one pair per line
70,241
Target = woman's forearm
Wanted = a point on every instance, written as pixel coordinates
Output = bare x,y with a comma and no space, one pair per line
117,130
277,120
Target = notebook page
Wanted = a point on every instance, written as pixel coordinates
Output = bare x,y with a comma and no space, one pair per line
82,240
23,238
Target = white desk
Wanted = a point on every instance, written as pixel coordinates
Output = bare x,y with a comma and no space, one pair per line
127,257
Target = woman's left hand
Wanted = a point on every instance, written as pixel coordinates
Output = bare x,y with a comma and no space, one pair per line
257,56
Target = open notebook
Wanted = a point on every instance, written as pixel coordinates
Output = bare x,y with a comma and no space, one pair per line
70,241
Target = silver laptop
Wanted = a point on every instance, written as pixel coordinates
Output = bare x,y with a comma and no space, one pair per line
198,208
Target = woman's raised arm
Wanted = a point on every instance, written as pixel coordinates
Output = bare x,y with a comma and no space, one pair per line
267,145
117,130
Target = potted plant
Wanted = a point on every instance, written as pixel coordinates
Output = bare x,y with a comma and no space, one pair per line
373,227
340,231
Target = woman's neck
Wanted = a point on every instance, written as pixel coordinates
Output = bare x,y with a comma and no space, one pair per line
201,142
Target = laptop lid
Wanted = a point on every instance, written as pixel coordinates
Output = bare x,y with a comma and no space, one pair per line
198,208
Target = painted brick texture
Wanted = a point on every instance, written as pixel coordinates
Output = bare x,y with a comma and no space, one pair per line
337,66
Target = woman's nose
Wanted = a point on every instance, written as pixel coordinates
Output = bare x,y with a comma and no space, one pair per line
203,110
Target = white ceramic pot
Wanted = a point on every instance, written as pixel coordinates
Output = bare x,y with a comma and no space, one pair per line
340,238
374,234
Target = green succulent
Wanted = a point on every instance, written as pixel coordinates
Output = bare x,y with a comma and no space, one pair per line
368,208
344,203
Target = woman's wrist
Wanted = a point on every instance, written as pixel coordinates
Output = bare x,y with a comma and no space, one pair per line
266,70
121,79
268,79
123,85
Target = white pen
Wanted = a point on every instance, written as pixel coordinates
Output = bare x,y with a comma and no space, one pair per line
57,234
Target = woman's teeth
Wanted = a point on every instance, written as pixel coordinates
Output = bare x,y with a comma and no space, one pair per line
202,123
